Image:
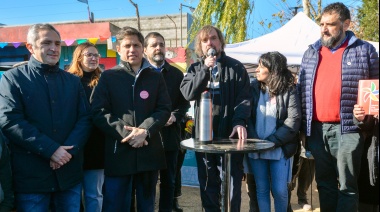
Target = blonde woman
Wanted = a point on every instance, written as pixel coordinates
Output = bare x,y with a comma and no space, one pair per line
85,64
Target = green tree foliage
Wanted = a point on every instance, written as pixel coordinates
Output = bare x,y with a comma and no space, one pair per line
368,15
228,15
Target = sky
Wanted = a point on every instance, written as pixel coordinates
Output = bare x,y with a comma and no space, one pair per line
26,12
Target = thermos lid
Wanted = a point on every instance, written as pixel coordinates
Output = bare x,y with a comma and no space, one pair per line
206,95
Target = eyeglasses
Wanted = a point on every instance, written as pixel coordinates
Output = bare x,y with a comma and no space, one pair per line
90,55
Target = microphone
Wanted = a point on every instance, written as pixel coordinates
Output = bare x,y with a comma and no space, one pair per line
211,52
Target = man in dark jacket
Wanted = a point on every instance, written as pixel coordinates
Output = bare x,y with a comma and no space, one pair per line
46,118
131,105
228,82
154,49
328,87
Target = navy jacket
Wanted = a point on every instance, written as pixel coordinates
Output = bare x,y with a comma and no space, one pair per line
123,98
360,61
41,108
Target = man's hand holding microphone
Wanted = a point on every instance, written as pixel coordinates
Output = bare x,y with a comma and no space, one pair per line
210,60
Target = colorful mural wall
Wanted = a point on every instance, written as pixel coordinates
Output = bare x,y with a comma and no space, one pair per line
13,49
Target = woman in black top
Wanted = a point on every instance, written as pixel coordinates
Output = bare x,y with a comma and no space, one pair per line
85,64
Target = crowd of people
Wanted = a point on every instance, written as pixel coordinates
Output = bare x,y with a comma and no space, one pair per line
85,139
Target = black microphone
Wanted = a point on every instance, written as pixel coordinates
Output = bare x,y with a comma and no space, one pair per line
211,52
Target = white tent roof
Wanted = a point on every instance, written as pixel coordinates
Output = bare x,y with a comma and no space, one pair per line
291,40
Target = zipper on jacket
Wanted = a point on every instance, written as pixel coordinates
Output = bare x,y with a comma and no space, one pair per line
162,140
308,123
115,147
133,102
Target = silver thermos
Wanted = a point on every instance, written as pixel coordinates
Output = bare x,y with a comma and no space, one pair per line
205,116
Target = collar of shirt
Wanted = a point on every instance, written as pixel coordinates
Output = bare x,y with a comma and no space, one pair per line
158,69
215,68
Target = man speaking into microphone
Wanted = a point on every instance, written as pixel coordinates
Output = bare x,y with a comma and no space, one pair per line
228,83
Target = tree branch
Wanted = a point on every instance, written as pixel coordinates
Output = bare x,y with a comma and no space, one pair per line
137,14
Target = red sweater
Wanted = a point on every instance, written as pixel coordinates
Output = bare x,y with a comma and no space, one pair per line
328,85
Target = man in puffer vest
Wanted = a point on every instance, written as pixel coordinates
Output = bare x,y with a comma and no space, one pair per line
328,87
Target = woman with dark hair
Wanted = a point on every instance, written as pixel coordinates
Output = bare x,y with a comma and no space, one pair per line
276,117
85,64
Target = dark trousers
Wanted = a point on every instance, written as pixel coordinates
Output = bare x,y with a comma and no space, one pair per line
60,201
209,177
167,181
178,175
368,194
337,165
118,191
305,178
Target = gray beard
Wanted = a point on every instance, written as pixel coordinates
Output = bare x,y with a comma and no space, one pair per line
331,42
158,59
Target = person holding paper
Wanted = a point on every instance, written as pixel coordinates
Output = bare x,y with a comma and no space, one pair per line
328,87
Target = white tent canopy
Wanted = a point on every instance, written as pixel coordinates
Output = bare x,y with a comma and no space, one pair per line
291,40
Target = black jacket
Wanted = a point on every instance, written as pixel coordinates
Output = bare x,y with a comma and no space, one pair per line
123,98
94,148
6,186
288,119
234,87
369,127
171,134
42,108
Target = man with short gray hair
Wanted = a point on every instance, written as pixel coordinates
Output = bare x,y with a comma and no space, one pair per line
45,115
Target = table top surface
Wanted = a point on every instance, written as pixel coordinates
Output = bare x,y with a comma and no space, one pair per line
227,145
